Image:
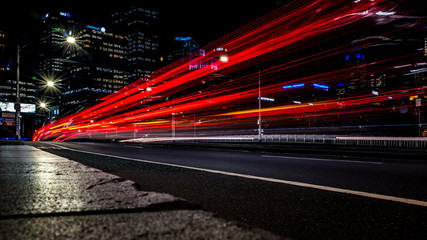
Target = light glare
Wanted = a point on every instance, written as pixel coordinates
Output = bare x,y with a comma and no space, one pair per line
71,39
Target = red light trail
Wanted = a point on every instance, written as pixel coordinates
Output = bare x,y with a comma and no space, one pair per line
217,92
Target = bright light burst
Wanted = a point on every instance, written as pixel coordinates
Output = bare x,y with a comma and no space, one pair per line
71,39
49,83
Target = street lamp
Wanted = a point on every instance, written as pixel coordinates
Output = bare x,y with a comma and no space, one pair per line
71,39
43,105
223,58
259,106
18,97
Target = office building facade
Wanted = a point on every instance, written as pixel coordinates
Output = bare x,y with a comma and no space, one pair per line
139,25
97,66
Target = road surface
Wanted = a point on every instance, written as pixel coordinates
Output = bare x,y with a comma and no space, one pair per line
301,196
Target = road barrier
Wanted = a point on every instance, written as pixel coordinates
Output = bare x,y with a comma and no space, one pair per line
393,142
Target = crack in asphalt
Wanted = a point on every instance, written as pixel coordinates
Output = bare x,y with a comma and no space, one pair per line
115,180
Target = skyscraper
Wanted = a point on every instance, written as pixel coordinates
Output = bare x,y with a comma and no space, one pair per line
3,58
139,25
97,65
56,26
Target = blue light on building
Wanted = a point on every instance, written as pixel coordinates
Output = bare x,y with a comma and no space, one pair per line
293,86
65,14
102,29
321,86
357,55
183,39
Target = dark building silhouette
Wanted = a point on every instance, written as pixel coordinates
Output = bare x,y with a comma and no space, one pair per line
139,25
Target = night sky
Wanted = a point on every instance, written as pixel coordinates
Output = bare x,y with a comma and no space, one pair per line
202,20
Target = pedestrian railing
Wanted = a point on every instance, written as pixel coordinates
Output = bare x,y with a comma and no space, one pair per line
394,142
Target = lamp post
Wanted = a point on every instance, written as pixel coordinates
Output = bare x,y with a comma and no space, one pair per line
418,105
18,97
259,105
70,40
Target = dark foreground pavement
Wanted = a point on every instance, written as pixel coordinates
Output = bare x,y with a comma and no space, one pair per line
269,190
44,196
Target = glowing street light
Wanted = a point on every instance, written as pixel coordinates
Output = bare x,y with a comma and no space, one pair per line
71,39
43,105
50,83
223,58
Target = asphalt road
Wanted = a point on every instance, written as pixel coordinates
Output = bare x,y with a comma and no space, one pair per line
301,196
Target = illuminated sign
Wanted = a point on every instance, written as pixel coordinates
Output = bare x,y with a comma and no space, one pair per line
220,49
102,29
358,56
267,99
25,107
293,86
9,122
324,87
184,39
381,13
65,14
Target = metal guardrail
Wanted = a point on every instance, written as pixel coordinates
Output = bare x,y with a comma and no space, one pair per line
394,142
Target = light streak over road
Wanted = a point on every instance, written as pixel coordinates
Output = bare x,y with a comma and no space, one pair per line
217,93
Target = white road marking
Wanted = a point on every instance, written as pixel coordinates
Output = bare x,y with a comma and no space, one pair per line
299,184
321,159
134,147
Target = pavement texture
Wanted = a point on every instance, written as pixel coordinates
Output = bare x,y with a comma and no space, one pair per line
44,196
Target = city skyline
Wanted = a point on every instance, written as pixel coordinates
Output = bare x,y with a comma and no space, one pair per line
383,32
294,119
204,23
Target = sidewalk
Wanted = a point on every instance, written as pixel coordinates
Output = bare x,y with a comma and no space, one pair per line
44,196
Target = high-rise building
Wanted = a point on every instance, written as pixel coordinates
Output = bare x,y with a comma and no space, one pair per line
96,66
356,77
185,46
139,25
53,54
3,57
8,75
56,27
8,85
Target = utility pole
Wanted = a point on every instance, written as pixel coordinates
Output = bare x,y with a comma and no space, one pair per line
418,105
18,97
173,125
259,105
